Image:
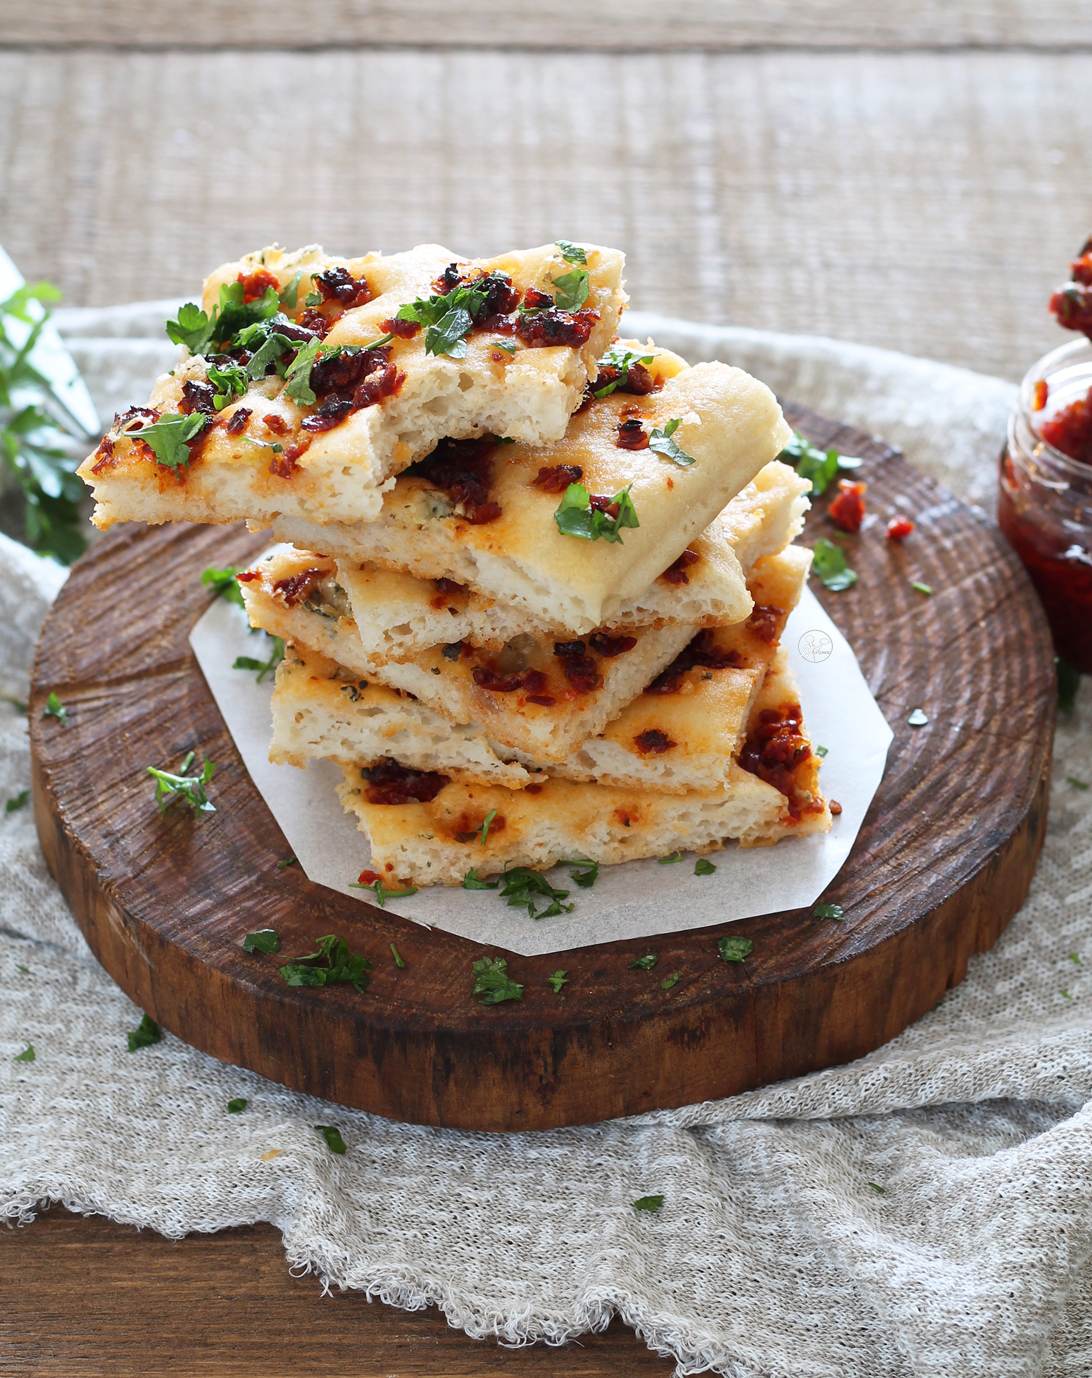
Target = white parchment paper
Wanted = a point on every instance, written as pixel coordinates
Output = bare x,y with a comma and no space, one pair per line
632,900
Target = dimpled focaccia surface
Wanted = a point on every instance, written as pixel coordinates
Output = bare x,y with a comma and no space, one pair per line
730,424
527,390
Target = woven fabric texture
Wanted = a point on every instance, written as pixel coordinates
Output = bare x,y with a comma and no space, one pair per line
775,1253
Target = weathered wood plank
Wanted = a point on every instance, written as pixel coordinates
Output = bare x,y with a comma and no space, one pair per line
617,24
926,202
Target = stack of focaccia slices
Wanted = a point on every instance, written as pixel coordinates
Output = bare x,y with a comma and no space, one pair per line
555,565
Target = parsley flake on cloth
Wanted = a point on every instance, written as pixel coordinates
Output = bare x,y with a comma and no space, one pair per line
264,940
579,514
733,949
28,1054
237,1106
332,962
586,873
520,886
649,1203
334,1142
191,788
830,568
919,587
144,1035
669,860
17,802
492,982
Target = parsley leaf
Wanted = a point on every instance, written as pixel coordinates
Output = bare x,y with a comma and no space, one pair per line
557,980
1069,779
571,253
485,824
381,893
621,361
669,860
661,441
27,1055
284,865
54,708
670,981
830,568
191,328
448,317
471,881
191,788
820,466
230,381
289,293
169,437
492,982
645,963
520,885
919,587
576,517
572,290
20,799
144,1035
266,346
197,330
704,867
509,346
332,962
648,1203
334,1142
586,875
264,940
829,911
237,1106
877,1188
448,335
399,962
298,373
263,667
820,751
734,949
224,583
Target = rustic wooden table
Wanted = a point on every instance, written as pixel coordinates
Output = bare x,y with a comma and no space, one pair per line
916,177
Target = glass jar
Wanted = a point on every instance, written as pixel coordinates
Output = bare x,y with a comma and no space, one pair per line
1044,503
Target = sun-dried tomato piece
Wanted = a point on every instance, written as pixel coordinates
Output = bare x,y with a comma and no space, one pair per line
314,321
338,284
579,668
332,413
256,285
298,586
385,382
609,646
105,456
449,586
848,508
543,329
557,477
391,783
653,742
197,396
700,652
277,424
342,373
544,701
531,681
772,750
763,622
632,435
238,420
1070,430
676,573
402,330
463,469
898,528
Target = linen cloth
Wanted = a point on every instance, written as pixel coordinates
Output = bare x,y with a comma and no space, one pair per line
774,1253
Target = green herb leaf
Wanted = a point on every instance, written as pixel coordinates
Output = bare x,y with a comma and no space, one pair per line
27,1055
829,911
26,970
820,466
144,1035
264,940
398,962
448,335
1067,995
661,441
557,980
919,587
669,860
877,1188
18,802
820,751
621,361
191,328
298,373
586,874
670,981
704,867
645,963
289,293
572,290
334,1142
447,318
191,788
648,1203
230,381
471,881
198,331
520,886
288,861
169,437
830,568
509,346
332,962
237,1106
576,517
733,949
917,718
54,708
571,253
492,982
381,893
1069,681
485,824
224,583
1077,784
17,704
263,667
1075,958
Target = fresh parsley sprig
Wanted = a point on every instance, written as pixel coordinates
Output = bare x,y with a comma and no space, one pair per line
191,788
381,893
224,583
230,381
19,801
570,252
262,667
331,962
198,330
492,982
661,442
572,290
820,466
169,438
576,516
449,316
830,568
521,886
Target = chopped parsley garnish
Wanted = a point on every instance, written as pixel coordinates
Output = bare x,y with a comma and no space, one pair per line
586,873
704,867
191,788
669,860
289,293
332,962
509,346
661,441
471,881
876,1187
648,1203
820,466
577,517
19,801
1067,995
224,583
169,437
284,865
144,1035
26,970
448,318
830,568
733,949
237,1106
1069,681
620,360
1075,958
645,963
28,1054
197,330
670,981
572,290
1069,779
485,825
492,982
334,1142
381,893
917,718
571,253
264,940
266,345
54,708
558,979
820,751
230,381
298,372
829,911
919,587
263,667
398,961
521,885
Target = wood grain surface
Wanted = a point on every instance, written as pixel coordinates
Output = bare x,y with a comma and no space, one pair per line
942,862
927,202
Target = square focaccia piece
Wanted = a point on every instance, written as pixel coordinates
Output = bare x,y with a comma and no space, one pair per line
428,829
304,392
570,533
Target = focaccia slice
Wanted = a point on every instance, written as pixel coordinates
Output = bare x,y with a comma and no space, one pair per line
485,515
324,442
433,834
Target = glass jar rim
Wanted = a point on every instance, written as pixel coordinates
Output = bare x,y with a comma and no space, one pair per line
1073,352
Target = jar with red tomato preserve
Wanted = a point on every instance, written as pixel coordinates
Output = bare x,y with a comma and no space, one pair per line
1044,502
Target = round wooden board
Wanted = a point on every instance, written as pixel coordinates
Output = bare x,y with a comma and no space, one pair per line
942,862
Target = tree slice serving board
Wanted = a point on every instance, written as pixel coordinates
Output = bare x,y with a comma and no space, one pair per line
942,863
